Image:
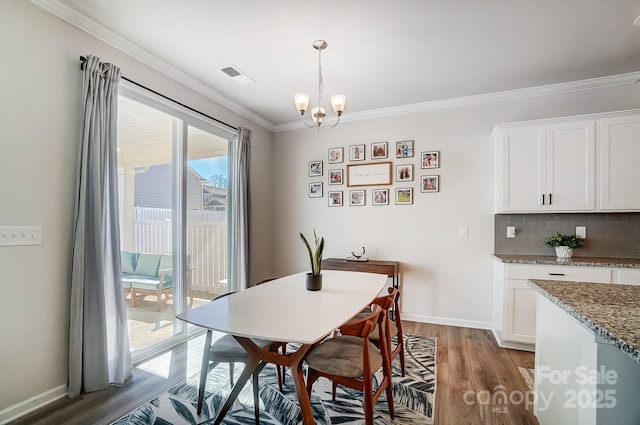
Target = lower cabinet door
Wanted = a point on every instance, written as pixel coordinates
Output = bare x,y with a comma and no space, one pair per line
520,312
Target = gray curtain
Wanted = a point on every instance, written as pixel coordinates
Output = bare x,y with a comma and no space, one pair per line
240,214
99,352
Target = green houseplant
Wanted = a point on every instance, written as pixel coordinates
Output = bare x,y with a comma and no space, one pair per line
564,244
314,279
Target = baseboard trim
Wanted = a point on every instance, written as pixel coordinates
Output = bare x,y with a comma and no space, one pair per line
18,410
512,345
446,321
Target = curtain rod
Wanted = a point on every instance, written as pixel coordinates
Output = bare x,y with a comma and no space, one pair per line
83,60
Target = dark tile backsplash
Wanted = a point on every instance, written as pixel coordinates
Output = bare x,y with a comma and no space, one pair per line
608,235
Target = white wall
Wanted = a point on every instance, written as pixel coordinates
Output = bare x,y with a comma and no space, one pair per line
40,96
445,278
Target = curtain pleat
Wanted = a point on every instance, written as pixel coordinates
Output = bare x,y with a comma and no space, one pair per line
99,353
239,220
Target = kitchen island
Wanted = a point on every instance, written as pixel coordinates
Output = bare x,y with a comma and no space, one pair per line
587,353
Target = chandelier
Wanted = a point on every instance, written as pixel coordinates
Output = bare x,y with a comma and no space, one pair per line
301,100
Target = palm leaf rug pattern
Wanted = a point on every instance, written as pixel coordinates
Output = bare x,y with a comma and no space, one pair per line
414,397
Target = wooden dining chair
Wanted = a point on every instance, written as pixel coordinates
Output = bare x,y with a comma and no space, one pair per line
393,326
350,359
227,349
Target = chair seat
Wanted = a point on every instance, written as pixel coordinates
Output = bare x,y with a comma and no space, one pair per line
342,356
228,349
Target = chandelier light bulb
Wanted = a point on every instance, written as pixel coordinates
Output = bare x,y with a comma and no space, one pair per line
338,102
301,101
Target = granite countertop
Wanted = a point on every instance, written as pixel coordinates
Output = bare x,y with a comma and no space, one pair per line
623,263
611,311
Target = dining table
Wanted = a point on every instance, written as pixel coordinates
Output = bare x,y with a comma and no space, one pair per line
283,310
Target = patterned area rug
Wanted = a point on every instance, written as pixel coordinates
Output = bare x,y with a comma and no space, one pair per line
414,397
527,376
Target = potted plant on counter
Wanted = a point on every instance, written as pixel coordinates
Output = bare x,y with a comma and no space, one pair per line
314,279
564,244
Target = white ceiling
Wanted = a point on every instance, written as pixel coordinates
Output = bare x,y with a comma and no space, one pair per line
381,54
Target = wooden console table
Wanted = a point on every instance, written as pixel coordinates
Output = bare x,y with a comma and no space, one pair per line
390,268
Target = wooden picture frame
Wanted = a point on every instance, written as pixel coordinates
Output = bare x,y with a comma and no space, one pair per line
335,198
404,196
336,155
404,149
357,198
356,153
315,168
379,150
430,159
315,190
380,197
369,174
429,184
335,176
404,173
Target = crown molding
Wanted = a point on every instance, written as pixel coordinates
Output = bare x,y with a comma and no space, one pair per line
495,97
92,27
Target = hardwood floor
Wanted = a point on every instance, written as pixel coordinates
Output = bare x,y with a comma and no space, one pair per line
477,383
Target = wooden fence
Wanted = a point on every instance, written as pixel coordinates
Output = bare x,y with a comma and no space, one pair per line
206,243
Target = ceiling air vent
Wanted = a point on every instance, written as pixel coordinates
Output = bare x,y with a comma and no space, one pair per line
236,75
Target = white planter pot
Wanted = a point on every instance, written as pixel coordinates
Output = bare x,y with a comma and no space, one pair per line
564,252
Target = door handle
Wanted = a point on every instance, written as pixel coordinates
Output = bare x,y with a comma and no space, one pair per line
543,199
556,274
550,199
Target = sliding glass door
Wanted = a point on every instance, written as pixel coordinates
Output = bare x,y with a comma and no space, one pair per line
173,222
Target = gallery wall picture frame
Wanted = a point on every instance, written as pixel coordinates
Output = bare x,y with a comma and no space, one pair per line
356,153
315,168
379,150
404,173
335,176
430,159
430,184
380,197
369,174
315,190
335,198
404,196
404,149
336,155
357,198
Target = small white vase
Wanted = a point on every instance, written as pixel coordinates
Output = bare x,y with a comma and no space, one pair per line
564,252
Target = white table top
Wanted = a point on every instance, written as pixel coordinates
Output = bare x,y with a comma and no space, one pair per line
284,310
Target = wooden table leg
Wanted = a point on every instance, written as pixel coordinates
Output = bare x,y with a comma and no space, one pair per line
301,388
294,361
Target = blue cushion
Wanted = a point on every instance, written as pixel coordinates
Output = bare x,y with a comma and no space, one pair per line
166,263
148,264
128,261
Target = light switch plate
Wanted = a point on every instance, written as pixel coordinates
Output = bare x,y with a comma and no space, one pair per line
20,235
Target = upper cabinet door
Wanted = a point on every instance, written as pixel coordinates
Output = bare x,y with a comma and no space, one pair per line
619,180
571,166
521,175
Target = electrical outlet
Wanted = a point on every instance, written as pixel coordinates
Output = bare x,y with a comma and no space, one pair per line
581,231
511,232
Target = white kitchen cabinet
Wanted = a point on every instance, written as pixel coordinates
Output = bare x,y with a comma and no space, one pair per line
546,168
620,173
574,164
627,276
514,315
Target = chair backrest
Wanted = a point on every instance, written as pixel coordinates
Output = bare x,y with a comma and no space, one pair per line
363,327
